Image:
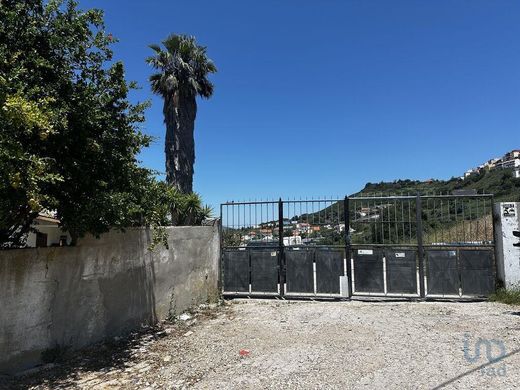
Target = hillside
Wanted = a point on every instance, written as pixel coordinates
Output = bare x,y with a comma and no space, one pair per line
378,221
499,182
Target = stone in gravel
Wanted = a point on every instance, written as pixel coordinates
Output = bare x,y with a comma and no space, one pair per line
167,358
188,333
184,317
107,385
138,366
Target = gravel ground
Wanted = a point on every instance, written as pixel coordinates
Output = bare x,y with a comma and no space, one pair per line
296,344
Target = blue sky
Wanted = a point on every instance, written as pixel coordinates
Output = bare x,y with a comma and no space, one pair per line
316,98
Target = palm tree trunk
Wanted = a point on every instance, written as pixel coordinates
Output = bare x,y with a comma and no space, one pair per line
180,112
171,121
187,114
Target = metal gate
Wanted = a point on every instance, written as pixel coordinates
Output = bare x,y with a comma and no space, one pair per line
427,246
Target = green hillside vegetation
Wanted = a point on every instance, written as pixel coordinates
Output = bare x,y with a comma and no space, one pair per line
499,182
394,222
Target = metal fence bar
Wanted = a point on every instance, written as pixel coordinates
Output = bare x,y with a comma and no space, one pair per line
420,249
348,252
281,261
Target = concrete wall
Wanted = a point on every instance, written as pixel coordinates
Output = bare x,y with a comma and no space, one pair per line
75,296
507,220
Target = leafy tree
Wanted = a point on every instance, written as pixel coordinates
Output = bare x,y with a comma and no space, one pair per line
69,135
183,75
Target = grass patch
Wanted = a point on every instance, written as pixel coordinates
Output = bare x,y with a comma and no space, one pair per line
510,297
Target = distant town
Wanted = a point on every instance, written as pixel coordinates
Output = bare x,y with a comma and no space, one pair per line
297,233
509,160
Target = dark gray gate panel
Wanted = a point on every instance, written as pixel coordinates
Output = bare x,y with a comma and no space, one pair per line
401,271
236,270
329,267
443,275
368,270
299,275
264,270
477,272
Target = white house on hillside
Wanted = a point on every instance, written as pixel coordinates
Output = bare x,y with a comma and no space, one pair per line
48,232
510,160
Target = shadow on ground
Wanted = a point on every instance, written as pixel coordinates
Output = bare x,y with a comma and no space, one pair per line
67,367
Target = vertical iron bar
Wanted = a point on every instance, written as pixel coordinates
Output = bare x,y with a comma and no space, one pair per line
233,215
433,216
478,219
456,221
382,215
410,225
420,249
395,222
449,230
492,238
346,211
272,214
261,215
443,222
281,265
402,220
220,281
485,220
463,221
319,212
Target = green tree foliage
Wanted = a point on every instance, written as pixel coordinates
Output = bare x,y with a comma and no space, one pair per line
69,135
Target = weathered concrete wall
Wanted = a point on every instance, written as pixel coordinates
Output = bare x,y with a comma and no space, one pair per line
75,296
507,220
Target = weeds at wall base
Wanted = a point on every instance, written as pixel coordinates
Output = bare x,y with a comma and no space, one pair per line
507,296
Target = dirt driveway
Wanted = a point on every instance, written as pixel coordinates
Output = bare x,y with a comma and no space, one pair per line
272,344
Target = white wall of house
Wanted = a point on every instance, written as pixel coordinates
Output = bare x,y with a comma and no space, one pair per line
512,163
294,240
53,231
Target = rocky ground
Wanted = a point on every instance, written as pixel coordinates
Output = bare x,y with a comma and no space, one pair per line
272,344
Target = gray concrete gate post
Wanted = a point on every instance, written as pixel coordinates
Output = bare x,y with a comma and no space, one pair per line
507,220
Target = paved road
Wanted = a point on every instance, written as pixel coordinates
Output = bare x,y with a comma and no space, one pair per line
393,345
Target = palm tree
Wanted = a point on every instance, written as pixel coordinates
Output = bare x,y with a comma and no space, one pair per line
183,69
